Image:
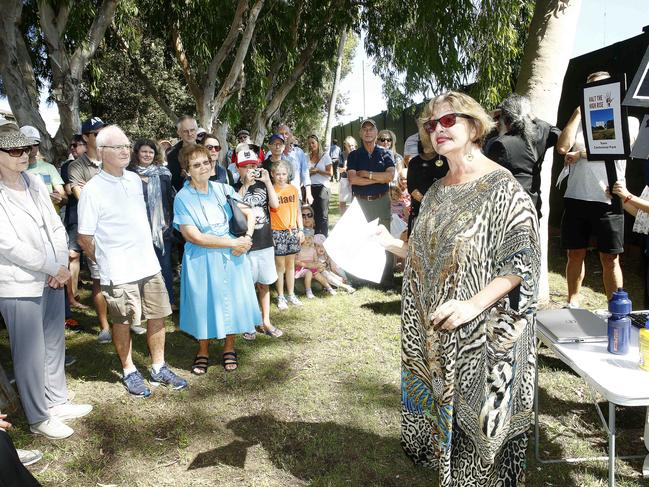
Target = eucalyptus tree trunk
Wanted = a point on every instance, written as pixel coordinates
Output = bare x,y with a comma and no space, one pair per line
17,73
334,89
545,60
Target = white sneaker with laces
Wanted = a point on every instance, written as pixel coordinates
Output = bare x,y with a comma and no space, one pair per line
68,411
281,303
292,298
309,293
52,428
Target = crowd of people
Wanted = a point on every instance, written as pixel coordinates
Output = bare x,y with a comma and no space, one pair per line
459,214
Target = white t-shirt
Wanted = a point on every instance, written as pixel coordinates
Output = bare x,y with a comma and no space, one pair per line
322,164
411,146
113,210
587,180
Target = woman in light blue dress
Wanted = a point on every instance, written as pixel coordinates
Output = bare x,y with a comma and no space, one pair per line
217,292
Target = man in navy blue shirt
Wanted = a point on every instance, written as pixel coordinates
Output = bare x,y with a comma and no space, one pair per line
370,170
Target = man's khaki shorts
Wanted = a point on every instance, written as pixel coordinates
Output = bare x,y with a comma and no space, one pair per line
148,294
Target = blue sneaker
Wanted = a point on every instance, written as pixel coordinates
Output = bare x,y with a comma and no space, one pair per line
134,383
167,378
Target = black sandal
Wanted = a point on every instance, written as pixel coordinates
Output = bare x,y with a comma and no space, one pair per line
200,365
230,358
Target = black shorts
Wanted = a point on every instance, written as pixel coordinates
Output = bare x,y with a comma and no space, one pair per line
582,220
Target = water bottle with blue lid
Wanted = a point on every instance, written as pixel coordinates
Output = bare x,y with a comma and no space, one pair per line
619,323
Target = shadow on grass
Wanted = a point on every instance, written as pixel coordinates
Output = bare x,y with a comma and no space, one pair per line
372,392
385,307
320,453
100,361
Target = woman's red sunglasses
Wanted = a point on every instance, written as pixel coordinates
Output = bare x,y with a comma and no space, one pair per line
447,121
217,148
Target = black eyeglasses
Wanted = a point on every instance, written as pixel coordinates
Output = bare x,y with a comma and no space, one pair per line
18,151
307,215
385,140
447,121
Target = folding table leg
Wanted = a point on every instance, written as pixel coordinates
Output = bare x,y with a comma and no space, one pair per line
645,465
611,444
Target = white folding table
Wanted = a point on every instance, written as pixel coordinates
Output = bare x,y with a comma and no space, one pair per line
617,378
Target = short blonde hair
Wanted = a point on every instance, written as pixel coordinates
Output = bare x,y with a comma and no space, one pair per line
462,103
349,140
281,163
424,137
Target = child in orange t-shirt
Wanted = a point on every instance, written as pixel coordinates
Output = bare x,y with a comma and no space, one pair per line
286,223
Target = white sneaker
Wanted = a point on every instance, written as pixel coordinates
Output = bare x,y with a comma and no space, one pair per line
68,411
52,428
292,298
281,303
104,336
331,291
138,330
29,457
309,293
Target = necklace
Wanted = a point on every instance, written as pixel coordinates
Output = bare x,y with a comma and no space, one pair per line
203,210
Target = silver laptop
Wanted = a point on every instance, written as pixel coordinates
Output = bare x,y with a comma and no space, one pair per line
572,325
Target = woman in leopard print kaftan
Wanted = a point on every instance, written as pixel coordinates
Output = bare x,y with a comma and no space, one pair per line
469,302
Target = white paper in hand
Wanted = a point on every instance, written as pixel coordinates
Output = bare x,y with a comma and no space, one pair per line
397,226
352,245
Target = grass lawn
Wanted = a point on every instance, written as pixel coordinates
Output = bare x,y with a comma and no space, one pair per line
319,406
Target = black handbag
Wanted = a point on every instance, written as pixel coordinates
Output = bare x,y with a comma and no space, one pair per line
239,222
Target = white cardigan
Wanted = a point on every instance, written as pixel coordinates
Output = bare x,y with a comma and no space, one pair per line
24,266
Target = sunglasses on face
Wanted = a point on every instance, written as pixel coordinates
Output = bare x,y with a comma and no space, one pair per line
307,215
76,144
447,121
385,140
216,148
17,152
197,165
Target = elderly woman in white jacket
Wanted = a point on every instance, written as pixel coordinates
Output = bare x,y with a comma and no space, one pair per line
33,271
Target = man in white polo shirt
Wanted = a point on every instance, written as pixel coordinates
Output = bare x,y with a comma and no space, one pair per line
114,231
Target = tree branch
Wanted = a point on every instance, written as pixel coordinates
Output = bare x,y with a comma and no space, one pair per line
181,56
227,90
84,53
225,49
278,63
62,18
52,34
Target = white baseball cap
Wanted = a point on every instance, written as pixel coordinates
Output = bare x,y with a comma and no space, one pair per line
31,133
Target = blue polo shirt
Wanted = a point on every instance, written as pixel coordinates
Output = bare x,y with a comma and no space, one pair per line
378,161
